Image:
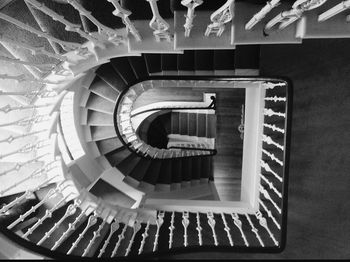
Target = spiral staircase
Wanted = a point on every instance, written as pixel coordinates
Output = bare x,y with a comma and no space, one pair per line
104,155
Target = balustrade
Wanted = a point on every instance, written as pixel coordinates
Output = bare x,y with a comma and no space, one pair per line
159,26
211,222
254,230
227,229
124,15
144,236
199,229
337,9
263,223
113,228
219,18
238,224
136,227
286,18
261,14
191,6
266,194
171,229
120,238
159,223
270,141
268,169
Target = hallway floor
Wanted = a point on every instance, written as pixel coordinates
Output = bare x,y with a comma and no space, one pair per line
319,181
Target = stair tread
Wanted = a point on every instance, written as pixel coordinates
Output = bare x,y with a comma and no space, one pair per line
110,76
99,104
117,156
96,118
140,169
153,63
224,59
169,62
247,57
101,88
123,68
107,145
138,64
185,61
204,60
128,164
152,173
102,132
165,172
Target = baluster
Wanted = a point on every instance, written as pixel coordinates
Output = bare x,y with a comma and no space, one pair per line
274,128
36,172
91,222
238,224
191,5
219,18
211,222
68,25
18,166
199,230
263,223
159,26
159,222
11,138
271,186
27,121
270,112
268,169
266,194
136,228
48,213
104,33
185,223
71,209
288,17
67,46
25,195
269,213
144,236
273,157
6,109
96,234
270,85
261,14
120,238
341,7
71,227
27,148
113,229
34,50
33,208
171,229
275,99
124,15
269,141
255,230
227,229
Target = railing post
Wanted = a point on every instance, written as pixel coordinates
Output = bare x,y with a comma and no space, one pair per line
191,5
219,18
159,26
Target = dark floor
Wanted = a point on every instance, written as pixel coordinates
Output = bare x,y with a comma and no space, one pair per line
319,184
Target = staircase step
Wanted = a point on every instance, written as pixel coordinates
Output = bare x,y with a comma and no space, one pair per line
186,167
224,60
192,124
124,69
153,63
183,117
140,169
185,62
197,39
247,57
203,61
138,64
256,34
169,64
196,168
112,195
107,145
101,88
176,168
128,164
111,77
201,125
153,172
175,123
165,173
102,132
96,118
211,125
100,104
117,156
